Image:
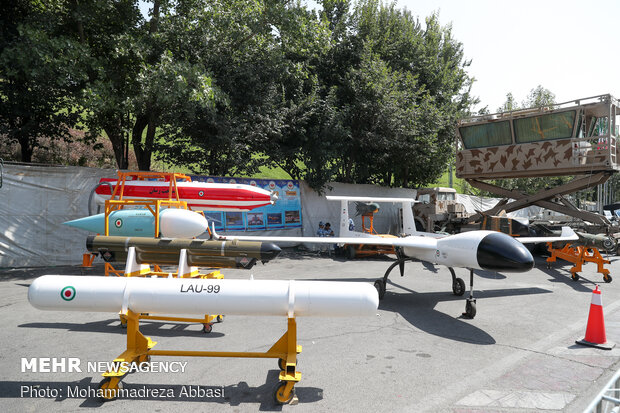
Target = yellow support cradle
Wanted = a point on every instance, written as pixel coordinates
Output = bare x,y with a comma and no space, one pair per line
140,349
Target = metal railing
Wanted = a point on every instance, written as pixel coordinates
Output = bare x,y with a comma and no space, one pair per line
608,400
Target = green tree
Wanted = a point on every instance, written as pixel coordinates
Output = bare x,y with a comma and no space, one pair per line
39,77
399,89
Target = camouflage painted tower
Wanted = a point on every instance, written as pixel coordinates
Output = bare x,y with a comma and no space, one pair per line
572,138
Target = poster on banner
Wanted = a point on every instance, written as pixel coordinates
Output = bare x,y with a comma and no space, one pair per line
286,213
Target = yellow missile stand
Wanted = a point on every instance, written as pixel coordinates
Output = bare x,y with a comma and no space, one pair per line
140,349
133,269
579,255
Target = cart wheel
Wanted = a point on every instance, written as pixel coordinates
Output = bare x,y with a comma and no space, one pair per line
145,358
607,278
548,265
282,363
207,328
220,318
380,286
470,309
458,287
109,393
278,395
575,276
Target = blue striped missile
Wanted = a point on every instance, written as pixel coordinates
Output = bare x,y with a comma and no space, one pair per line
173,223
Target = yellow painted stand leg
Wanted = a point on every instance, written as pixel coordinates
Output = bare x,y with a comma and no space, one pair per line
137,352
139,349
288,376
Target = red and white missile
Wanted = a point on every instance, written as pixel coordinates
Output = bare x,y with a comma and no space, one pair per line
198,195
203,296
173,223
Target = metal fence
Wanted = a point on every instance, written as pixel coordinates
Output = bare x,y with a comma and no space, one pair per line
608,400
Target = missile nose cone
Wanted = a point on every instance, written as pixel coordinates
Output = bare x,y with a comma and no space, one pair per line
274,197
501,252
268,251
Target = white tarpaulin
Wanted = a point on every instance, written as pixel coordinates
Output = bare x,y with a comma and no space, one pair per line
34,202
475,204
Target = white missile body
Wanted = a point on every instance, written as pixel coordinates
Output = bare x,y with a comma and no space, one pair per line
173,296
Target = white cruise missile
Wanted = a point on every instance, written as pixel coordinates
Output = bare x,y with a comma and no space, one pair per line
173,223
203,296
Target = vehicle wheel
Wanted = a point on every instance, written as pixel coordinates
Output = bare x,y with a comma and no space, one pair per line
458,287
470,309
381,288
278,395
220,318
207,328
109,393
607,278
575,276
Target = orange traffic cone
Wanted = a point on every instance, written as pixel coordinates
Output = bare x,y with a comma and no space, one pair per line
595,330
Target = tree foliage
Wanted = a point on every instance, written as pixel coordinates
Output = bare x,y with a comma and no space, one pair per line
356,92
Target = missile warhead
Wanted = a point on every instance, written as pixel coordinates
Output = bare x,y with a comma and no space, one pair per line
173,223
602,241
200,252
203,296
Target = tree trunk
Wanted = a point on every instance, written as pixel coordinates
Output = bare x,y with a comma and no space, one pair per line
115,134
144,151
136,139
26,147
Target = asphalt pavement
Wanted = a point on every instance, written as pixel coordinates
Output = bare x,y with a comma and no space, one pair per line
416,354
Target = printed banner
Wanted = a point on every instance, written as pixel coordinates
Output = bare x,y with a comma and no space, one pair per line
286,213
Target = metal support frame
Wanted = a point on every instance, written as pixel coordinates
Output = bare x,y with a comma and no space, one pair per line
544,198
579,255
608,399
140,349
133,269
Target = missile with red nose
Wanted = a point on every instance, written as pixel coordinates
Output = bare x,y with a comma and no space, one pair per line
173,223
199,252
203,296
198,195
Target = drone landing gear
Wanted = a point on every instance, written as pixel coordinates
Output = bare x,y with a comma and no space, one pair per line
470,304
381,283
458,288
458,285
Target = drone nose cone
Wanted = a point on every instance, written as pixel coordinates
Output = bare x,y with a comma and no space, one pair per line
501,252
269,251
